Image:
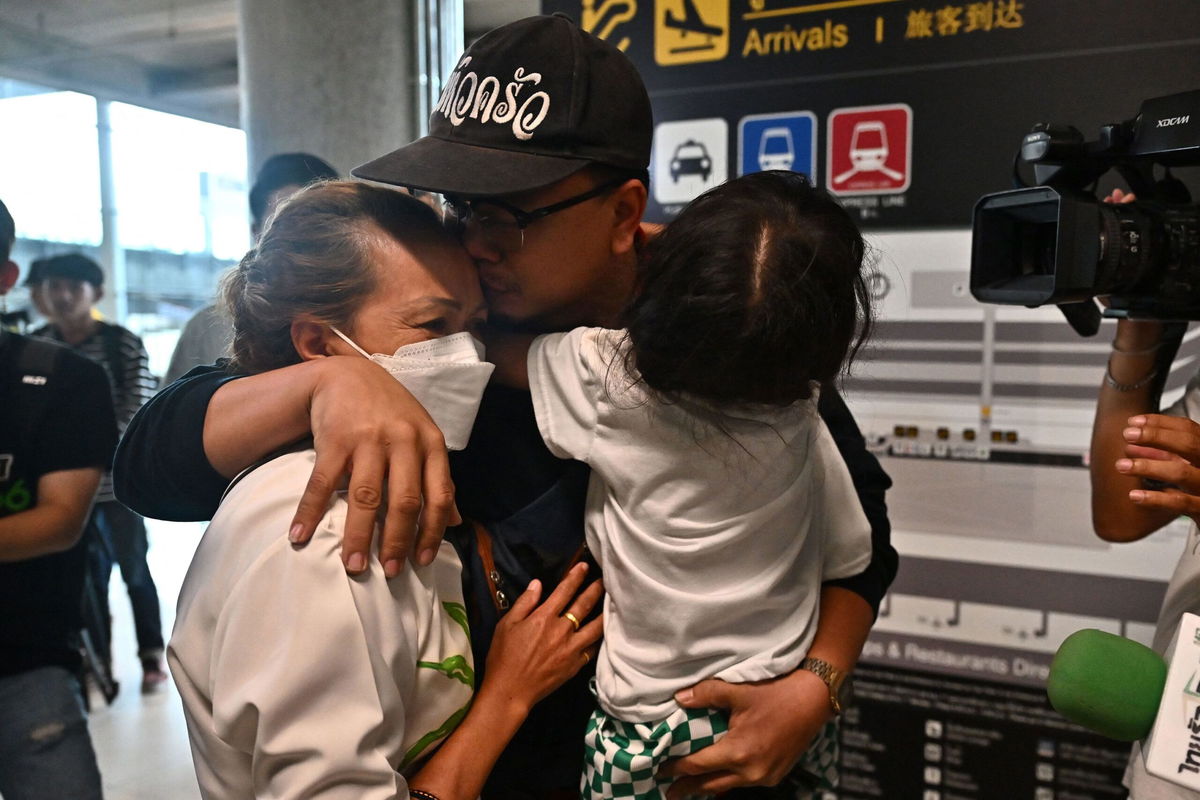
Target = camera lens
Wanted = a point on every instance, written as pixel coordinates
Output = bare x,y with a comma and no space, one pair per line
1150,249
1037,248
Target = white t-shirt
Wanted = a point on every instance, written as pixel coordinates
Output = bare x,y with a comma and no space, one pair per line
1183,596
298,680
714,541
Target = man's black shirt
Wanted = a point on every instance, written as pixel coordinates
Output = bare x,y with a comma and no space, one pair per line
56,414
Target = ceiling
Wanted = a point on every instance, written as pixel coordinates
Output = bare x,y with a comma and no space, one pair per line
173,55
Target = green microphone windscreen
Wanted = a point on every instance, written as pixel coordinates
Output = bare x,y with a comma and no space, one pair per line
1107,684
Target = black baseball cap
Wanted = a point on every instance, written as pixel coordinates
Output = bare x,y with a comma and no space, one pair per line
529,104
72,266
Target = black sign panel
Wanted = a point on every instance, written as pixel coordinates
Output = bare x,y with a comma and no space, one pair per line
931,737
907,110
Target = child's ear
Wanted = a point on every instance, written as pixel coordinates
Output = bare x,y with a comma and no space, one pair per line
629,205
312,339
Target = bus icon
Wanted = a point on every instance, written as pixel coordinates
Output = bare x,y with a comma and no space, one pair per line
776,150
780,140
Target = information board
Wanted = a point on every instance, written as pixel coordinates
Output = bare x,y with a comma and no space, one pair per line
918,107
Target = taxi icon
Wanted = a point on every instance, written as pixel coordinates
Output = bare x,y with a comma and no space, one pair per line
691,158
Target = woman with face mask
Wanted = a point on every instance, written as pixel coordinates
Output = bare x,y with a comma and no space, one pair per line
297,678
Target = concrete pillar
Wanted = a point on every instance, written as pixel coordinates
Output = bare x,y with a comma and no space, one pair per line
337,79
115,302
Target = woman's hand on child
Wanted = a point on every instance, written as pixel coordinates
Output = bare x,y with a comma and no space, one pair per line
539,647
771,725
366,425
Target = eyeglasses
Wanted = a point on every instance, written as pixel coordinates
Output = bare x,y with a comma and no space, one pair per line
503,225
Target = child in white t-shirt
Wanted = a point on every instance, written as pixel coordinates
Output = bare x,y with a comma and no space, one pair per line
718,500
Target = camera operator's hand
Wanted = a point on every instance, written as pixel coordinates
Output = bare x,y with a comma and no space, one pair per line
1120,196
1125,396
1164,449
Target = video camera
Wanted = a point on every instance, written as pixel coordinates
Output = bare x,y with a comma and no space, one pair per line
1056,243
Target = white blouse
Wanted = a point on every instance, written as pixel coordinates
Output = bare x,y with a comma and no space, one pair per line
298,680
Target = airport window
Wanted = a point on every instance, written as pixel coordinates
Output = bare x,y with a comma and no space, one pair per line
179,195
182,217
50,172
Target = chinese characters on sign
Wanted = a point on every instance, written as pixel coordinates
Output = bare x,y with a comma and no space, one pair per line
969,18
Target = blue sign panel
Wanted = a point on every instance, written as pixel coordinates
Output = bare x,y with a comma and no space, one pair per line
778,141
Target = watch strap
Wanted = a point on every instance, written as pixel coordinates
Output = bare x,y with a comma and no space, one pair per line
831,676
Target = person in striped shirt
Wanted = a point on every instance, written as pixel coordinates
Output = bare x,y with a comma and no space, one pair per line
70,286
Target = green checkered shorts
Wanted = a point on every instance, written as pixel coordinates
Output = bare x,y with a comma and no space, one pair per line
621,758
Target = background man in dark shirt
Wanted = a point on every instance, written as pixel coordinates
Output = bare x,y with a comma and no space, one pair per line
71,285
206,335
574,192
57,434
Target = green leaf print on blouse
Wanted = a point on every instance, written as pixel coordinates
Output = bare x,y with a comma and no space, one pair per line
434,735
455,667
458,613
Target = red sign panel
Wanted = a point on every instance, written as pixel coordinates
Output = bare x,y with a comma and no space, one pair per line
869,150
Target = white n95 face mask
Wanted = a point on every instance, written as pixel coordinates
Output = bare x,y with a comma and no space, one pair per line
446,375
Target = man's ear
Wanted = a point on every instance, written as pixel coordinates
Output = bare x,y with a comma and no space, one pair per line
8,275
312,339
629,204
99,294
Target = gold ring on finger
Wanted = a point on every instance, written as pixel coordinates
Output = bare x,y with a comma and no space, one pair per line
574,619
586,656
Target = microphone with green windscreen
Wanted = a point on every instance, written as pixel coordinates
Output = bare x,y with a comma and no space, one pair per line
1107,684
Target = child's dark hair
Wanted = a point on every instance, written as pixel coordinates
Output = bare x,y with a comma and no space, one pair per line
751,295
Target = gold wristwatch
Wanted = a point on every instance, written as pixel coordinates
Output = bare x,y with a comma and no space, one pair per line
832,677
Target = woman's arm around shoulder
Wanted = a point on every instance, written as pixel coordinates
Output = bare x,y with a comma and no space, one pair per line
161,470
184,446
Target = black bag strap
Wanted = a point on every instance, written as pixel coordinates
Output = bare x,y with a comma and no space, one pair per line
33,370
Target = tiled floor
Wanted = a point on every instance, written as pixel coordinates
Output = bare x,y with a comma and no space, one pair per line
141,740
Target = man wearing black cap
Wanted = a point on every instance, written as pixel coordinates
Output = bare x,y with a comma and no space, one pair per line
57,432
541,142
70,286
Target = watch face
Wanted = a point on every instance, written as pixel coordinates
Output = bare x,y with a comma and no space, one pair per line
845,693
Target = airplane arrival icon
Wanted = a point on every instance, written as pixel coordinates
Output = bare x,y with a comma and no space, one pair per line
868,152
692,23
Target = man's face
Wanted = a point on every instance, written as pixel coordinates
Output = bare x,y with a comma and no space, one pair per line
562,274
67,299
